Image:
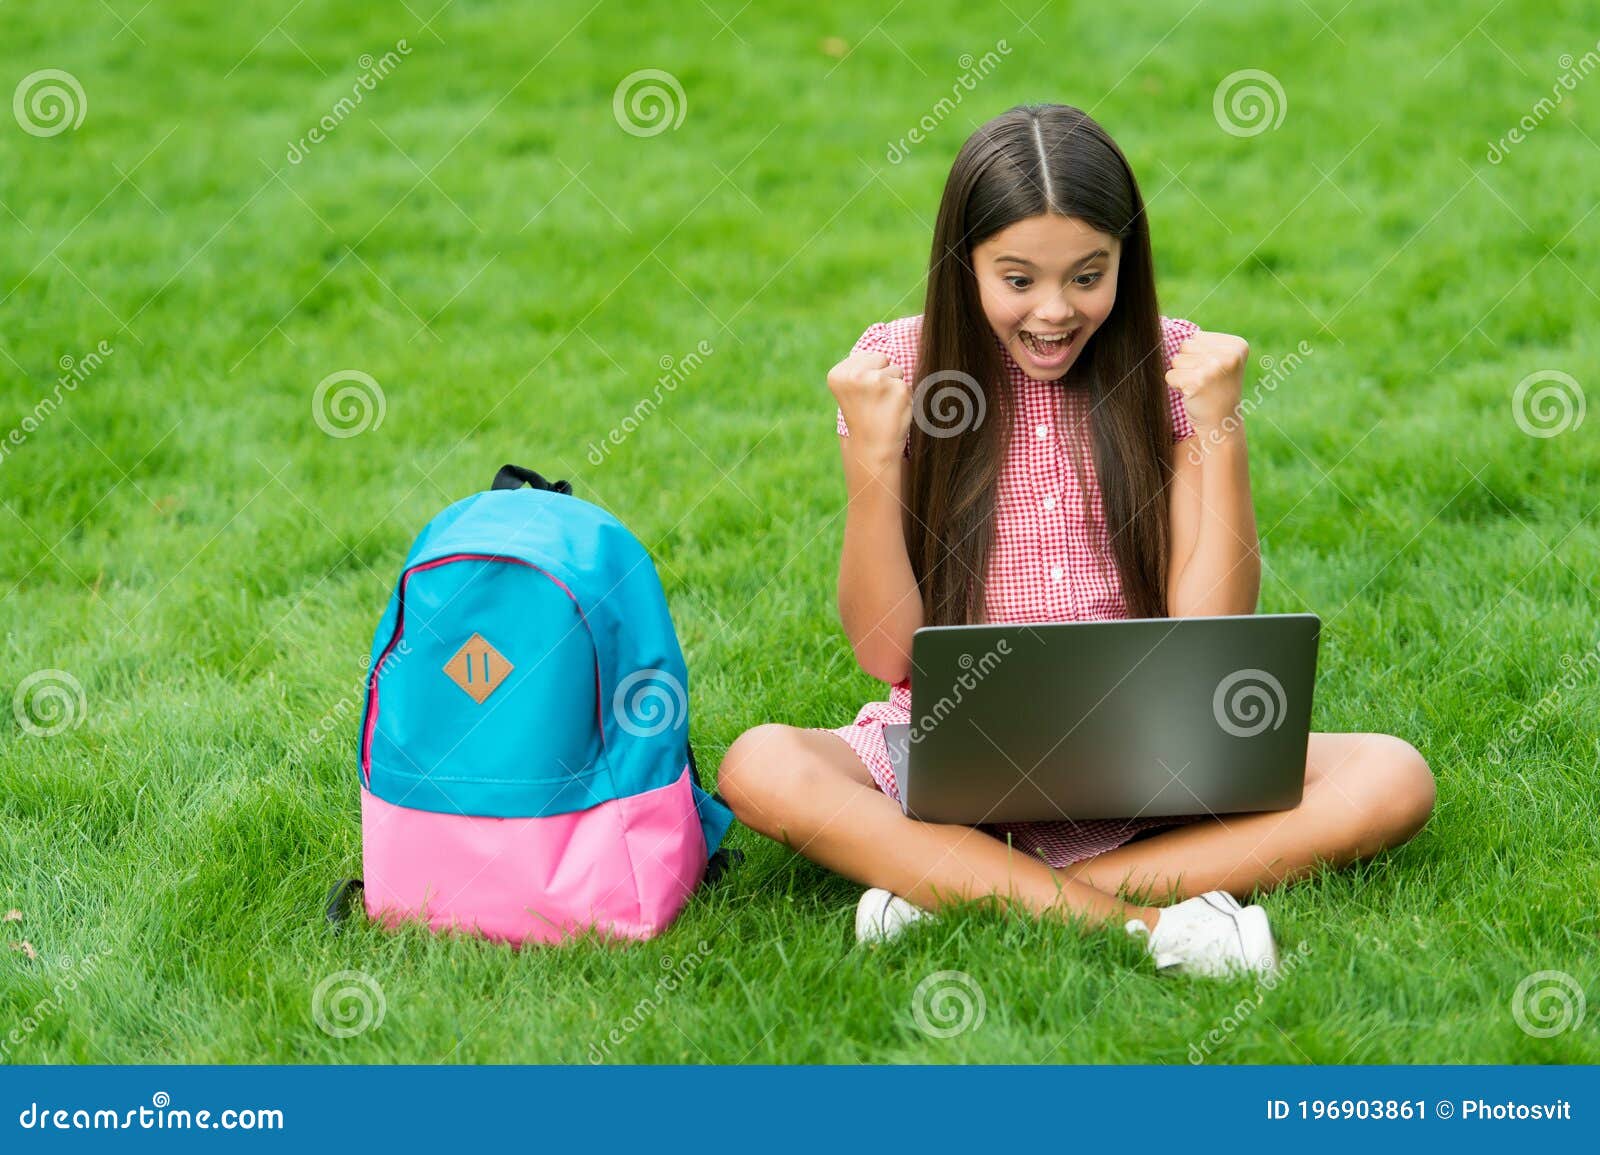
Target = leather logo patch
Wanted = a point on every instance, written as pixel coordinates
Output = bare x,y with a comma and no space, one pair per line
478,668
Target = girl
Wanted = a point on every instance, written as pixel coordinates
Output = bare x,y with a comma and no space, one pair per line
1088,476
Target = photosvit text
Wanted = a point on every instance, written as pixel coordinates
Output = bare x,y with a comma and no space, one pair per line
1468,1109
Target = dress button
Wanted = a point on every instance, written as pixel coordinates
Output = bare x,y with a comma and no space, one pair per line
1041,431
1055,573
1049,503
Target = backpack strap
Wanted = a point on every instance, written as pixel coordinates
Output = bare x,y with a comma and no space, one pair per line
344,894
516,476
726,857
724,860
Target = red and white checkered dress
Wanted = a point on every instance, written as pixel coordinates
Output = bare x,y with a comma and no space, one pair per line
1049,563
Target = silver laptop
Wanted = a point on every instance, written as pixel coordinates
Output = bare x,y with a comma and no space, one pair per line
1144,717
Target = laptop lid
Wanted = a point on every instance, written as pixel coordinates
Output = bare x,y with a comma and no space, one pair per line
1142,717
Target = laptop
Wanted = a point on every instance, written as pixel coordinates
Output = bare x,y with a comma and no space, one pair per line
1143,717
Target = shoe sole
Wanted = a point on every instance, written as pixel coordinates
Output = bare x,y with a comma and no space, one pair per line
1255,938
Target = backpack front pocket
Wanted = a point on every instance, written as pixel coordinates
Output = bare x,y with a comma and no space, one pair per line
485,700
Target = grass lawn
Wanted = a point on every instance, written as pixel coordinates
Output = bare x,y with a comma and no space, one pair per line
481,237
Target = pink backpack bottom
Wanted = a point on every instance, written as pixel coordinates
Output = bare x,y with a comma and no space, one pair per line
623,869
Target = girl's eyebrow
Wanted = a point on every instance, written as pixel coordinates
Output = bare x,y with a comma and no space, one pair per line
1016,260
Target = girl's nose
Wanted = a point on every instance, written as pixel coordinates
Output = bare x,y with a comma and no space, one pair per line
1055,311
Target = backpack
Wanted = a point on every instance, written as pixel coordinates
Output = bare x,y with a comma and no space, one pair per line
524,751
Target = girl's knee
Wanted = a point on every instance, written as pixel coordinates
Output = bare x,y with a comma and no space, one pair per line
754,766
1396,789
1414,784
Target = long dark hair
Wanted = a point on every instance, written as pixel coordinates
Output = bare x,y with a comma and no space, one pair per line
1031,160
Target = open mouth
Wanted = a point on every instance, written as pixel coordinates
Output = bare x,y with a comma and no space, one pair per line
1048,348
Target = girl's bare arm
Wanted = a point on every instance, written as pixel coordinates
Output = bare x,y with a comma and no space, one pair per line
1215,557
879,604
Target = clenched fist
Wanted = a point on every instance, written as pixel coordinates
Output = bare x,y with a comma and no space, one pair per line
1208,370
876,401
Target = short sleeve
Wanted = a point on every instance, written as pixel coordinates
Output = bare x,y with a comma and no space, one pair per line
876,339
1174,332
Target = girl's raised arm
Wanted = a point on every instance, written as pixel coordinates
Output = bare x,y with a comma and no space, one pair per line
879,603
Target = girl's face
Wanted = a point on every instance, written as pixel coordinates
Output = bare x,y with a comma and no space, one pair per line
1047,283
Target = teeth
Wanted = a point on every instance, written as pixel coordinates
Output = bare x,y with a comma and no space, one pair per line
1039,341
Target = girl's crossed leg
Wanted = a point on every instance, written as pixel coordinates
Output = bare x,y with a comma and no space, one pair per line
809,790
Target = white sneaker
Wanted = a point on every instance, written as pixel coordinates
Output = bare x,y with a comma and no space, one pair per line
881,915
1210,935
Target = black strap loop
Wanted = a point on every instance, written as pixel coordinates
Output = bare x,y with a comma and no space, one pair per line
721,862
345,894
516,476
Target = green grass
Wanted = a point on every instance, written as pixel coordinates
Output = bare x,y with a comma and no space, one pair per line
182,539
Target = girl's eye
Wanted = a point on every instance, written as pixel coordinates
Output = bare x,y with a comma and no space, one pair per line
1082,280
